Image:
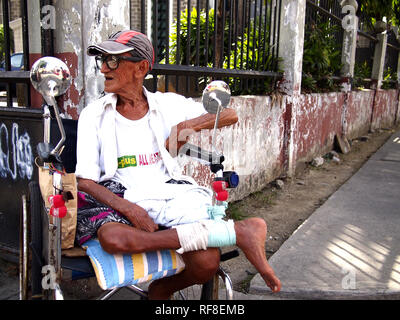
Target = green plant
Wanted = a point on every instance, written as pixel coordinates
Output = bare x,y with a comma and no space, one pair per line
3,43
389,79
246,53
182,57
253,52
362,71
376,10
321,58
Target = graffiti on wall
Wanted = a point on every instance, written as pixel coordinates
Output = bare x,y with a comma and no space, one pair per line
16,158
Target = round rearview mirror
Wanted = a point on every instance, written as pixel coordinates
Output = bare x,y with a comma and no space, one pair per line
216,96
50,76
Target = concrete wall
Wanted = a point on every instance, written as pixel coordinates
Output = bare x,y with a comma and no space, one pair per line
253,147
262,144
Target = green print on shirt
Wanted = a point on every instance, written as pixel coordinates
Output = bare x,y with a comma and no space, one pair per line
127,161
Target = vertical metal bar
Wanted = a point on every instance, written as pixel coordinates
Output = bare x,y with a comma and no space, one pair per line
198,33
143,16
242,46
215,33
259,52
25,39
207,38
275,33
230,33
265,37
167,47
222,33
259,35
54,252
197,41
253,63
7,56
189,30
236,11
24,250
178,40
278,19
248,42
155,29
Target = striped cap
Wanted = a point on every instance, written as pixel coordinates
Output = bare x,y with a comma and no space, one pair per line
125,41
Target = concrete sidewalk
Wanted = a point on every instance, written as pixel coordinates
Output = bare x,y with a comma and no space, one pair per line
350,247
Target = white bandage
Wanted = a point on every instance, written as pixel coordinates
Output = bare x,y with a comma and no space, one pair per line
205,233
192,237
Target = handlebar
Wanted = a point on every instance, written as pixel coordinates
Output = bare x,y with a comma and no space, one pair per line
47,153
196,152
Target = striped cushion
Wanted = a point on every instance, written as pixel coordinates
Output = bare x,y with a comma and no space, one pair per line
121,270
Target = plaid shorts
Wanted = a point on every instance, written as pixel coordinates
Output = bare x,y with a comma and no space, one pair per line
92,214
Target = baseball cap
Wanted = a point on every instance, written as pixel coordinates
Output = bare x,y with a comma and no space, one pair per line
125,41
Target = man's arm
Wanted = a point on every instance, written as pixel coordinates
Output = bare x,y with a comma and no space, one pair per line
134,213
181,132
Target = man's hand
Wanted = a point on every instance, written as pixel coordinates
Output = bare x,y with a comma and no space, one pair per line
180,133
178,137
139,218
134,213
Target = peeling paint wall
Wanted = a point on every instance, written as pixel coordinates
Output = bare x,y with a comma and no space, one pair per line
384,109
319,118
358,113
275,136
252,147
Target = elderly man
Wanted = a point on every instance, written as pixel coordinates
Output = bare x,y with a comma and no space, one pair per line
135,197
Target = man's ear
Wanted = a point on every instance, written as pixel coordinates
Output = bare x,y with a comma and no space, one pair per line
143,68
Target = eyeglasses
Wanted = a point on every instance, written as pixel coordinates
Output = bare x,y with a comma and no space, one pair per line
112,61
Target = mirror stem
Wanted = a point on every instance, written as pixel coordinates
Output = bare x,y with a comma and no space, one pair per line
214,97
53,103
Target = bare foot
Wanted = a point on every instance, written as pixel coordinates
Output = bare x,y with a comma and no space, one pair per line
250,237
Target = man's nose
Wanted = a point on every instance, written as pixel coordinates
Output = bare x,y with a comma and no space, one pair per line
104,68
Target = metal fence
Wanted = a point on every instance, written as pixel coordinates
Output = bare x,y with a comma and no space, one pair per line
14,54
325,17
366,41
390,80
197,41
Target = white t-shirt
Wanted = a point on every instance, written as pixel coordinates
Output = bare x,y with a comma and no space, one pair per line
96,145
138,154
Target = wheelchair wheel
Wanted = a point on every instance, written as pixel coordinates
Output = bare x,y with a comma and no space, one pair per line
35,209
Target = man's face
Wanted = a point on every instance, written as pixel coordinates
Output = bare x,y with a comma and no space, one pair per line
120,79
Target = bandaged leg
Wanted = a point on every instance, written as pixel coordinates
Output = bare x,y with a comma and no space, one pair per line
205,234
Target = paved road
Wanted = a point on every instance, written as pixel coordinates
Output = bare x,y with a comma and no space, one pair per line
350,247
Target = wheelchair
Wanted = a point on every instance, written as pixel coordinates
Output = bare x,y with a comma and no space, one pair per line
41,257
